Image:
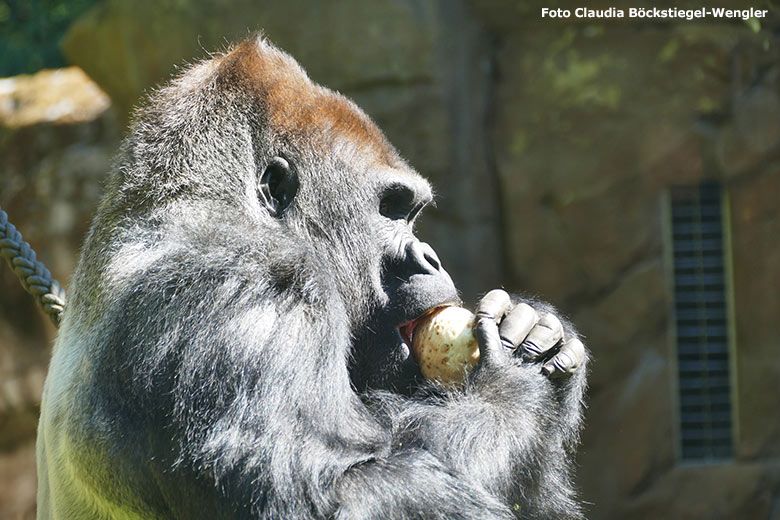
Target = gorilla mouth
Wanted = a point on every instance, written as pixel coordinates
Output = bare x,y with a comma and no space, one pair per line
406,329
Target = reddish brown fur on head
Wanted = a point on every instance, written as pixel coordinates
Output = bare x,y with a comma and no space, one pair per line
296,106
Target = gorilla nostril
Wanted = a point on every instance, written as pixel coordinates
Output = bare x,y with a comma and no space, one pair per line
426,258
420,258
432,260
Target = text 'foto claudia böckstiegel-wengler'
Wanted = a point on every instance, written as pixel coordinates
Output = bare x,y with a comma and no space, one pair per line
655,13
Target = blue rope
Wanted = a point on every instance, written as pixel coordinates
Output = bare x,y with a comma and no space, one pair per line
35,278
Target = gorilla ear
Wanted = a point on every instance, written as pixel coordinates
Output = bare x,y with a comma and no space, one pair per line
277,186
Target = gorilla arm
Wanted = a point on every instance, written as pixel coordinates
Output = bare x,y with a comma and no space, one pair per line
264,408
512,430
469,456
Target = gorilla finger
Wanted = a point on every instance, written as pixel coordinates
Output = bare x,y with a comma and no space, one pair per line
517,324
490,309
494,304
544,336
567,361
491,352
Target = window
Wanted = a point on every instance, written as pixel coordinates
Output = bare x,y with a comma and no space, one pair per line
701,319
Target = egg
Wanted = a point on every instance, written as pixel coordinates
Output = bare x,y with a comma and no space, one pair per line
444,346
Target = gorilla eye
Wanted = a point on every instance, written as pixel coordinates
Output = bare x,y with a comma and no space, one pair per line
278,186
399,202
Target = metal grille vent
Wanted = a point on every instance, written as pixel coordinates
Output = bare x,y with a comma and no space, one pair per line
701,316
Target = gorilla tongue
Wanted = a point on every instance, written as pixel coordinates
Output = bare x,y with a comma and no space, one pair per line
407,331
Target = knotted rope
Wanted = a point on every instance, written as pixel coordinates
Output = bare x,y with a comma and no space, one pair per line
35,278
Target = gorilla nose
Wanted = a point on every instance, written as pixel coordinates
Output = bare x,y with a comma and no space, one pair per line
422,258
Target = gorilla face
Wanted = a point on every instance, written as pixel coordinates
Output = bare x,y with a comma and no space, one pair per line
391,278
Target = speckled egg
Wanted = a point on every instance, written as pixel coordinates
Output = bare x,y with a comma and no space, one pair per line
444,346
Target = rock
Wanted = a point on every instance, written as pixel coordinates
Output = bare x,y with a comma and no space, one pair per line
753,134
634,443
18,483
756,260
60,96
618,343
594,122
712,491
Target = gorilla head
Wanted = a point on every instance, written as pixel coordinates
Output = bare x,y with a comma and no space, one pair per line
251,274
312,183
328,181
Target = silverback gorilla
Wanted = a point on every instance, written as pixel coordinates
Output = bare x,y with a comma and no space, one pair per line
235,344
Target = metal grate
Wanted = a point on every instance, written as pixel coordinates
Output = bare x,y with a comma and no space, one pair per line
701,317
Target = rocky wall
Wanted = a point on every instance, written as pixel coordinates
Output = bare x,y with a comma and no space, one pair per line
595,121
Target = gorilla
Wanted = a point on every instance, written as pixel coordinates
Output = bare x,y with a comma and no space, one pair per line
236,341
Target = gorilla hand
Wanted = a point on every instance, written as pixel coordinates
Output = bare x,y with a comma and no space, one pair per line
506,330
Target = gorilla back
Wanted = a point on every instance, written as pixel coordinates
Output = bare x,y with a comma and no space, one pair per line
235,344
